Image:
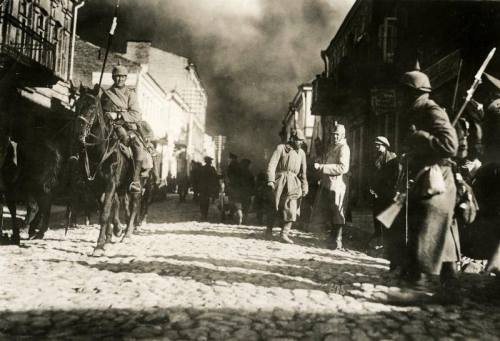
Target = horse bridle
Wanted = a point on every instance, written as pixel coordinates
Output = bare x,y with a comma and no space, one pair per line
86,132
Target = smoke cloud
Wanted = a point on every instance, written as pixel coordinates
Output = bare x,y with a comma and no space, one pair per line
251,54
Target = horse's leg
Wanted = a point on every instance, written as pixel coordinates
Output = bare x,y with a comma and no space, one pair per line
117,226
69,215
134,198
32,216
1,217
105,215
16,236
125,202
44,205
140,206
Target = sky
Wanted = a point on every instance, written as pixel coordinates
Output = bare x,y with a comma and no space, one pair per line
251,54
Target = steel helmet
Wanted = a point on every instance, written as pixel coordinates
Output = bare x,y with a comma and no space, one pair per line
416,79
119,70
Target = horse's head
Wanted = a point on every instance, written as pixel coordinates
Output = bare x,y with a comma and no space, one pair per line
87,109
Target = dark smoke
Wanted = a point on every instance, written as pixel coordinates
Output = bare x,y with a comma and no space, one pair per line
251,54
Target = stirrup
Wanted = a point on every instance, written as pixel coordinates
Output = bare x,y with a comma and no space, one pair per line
135,187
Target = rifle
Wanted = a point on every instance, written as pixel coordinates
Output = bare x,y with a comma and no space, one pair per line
473,88
389,215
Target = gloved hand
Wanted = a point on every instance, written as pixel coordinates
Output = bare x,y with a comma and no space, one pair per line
112,115
271,185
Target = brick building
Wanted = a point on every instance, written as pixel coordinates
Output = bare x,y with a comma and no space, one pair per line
376,43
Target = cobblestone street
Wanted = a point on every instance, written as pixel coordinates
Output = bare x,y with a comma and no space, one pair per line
183,280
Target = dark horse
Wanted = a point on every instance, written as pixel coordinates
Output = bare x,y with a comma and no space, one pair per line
105,164
33,179
9,172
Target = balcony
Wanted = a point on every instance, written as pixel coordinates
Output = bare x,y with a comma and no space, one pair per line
22,45
323,89
327,98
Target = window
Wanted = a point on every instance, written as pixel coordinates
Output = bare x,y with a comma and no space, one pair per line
387,39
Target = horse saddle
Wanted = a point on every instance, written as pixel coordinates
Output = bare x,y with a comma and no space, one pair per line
147,163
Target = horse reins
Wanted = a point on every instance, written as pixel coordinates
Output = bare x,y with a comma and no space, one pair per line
107,151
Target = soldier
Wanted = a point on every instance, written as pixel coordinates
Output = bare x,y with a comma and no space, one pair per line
383,180
432,234
209,186
120,104
287,176
329,209
247,190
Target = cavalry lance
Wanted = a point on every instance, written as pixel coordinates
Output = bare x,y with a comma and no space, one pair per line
110,40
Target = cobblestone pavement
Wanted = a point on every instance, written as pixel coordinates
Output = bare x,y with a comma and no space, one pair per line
183,280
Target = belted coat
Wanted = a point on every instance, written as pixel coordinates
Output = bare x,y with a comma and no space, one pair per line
329,206
433,233
287,169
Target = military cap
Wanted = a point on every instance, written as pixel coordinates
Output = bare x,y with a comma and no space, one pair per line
207,158
383,141
246,161
119,70
233,156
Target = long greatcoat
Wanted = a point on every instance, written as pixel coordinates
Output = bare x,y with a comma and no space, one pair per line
287,169
433,234
329,206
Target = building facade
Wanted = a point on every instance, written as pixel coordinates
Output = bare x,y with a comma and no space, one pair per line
176,73
376,43
299,115
36,40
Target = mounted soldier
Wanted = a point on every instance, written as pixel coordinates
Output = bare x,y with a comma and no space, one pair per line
119,103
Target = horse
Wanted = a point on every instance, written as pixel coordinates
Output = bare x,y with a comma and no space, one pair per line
9,172
107,167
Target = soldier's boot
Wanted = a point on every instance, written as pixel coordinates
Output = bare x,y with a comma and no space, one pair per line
449,292
239,217
336,235
269,232
135,186
285,232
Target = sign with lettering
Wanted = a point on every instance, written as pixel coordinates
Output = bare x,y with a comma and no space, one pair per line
383,101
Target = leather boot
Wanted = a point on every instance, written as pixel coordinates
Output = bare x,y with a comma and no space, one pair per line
135,186
338,239
285,231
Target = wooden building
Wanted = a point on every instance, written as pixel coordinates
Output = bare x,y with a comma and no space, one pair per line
376,43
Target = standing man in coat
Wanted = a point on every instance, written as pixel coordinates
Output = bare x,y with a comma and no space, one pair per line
120,104
432,233
329,209
209,186
287,176
382,185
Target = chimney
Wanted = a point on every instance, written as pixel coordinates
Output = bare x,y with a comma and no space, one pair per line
138,51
